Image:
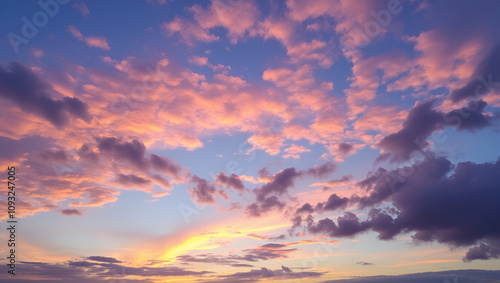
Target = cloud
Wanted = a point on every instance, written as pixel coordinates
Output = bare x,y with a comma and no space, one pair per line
344,180
37,52
232,181
321,171
134,153
420,123
131,180
261,253
334,202
485,79
269,142
284,273
203,191
306,208
237,17
345,148
423,120
487,249
82,8
11,149
22,86
189,32
463,276
71,212
456,207
97,41
197,60
99,267
294,151
166,165
91,41
364,263
103,259
255,236
268,196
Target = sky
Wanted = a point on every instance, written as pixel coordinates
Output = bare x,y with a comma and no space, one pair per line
249,141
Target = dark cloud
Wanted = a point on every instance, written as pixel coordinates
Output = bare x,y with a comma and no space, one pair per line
260,253
232,181
364,263
486,78
165,164
462,276
470,117
266,252
209,258
279,185
334,202
487,249
98,267
321,171
348,225
264,205
71,212
22,86
345,148
286,269
131,180
264,173
202,191
335,182
306,208
133,152
11,149
457,207
86,152
268,196
280,237
55,155
423,120
241,265
103,259
420,123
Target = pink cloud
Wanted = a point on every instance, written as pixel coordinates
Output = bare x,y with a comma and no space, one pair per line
269,142
82,8
294,151
197,60
238,17
91,41
188,31
97,41
37,52
75,32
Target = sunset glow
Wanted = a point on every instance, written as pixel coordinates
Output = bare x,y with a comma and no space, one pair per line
341,141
